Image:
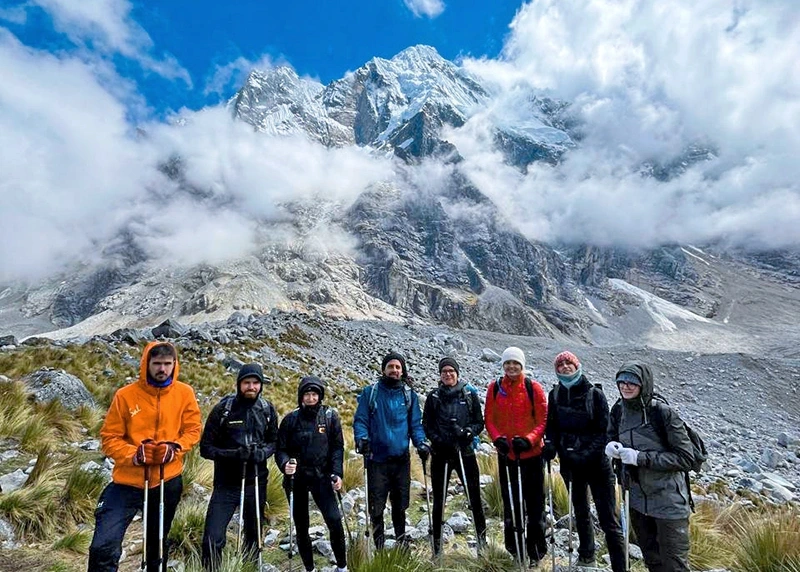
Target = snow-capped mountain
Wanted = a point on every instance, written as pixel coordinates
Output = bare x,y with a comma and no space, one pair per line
398,105
413,254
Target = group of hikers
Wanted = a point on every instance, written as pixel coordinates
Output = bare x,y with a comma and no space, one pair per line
641,442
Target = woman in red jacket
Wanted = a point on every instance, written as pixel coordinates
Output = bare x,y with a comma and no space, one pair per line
516,415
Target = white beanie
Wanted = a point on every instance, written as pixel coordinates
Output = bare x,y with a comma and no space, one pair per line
514,354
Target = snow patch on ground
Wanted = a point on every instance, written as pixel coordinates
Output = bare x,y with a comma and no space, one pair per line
695,256
661,311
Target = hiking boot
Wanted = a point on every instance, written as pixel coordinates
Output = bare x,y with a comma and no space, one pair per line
587,561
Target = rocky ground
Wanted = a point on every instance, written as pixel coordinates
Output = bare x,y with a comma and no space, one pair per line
746,407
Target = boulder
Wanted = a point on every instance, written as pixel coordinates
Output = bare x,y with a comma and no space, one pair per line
490,356
12,481
8,341
169,329
459,522
48,384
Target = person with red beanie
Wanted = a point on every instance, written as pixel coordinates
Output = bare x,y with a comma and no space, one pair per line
516,415
577,421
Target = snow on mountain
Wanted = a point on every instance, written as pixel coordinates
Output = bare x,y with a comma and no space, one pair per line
398,104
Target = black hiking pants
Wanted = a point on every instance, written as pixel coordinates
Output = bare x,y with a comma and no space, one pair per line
320,489
532,471
392,479
225,500
664,542
116,507
599,478
438,480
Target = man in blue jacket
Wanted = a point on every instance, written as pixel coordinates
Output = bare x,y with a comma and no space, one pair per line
387,416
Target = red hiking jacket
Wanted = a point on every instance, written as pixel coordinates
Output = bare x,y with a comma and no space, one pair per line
511,414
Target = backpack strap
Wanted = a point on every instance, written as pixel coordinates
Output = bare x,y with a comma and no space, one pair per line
228,403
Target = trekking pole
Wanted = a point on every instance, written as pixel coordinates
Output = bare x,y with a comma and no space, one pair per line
625,514
446,481
291,515
161,519
552,514
341,509
569,493
241,507
366,501
428,504
513,514
258,518
522,512
469,500
144,516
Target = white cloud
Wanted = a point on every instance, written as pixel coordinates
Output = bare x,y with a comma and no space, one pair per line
106,26
228,77
15,15
429,8
647,80
68,159
74,173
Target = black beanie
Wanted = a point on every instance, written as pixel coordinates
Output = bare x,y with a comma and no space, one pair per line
250,370
394,355
445,361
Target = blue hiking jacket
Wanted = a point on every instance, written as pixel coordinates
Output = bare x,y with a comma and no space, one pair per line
392,422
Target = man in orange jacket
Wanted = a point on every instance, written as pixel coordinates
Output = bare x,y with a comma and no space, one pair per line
151,424
516,416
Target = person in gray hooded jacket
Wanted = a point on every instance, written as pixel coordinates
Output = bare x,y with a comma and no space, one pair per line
653,468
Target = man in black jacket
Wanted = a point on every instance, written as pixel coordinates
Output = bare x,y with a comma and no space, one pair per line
240,435
577,420
311,454
452,419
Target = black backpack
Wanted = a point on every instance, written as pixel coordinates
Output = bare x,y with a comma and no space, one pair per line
699,452
261,406
590,397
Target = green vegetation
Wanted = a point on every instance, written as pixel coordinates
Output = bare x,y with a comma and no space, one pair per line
55,506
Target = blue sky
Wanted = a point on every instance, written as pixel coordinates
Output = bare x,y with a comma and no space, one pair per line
322,40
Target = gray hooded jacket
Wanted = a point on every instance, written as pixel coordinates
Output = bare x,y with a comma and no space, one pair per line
657,484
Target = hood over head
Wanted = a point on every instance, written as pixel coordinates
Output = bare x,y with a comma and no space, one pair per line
310,383
643,372
145,361
249,370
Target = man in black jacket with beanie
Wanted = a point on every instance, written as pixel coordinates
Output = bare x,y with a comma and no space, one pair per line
240,435
452,419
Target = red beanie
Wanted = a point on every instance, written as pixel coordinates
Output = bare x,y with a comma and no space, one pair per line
567,357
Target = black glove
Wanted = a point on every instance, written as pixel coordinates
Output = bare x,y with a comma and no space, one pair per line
548,452
424,451
243,453
463,435
259,454
520,445
501,444
363,447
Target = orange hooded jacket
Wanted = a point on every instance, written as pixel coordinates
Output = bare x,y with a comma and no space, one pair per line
140,411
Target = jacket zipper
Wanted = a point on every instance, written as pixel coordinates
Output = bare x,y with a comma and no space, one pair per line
644,495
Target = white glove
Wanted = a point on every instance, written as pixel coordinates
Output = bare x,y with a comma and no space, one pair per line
629,456
290,467
613,448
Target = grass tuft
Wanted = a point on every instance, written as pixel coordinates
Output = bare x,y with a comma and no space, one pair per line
186,533
77,541
768,542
